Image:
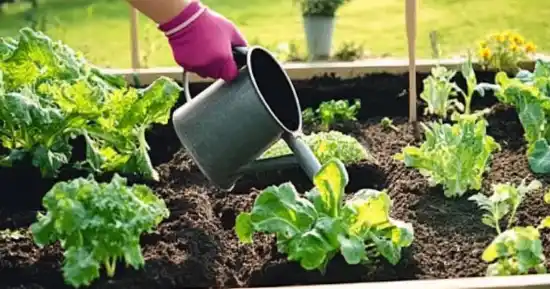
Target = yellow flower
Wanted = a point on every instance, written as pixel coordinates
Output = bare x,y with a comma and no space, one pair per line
501,38
513,47
530,47
485,53
516,38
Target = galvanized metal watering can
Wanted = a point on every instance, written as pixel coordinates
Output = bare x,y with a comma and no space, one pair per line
227,126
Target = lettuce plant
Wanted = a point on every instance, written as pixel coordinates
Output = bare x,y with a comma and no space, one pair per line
529,93
325,146
49,94
516,250
97,225
311,230
332,112
455,156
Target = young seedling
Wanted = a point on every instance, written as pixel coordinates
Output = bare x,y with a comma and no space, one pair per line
472,86
332,112
516,250
313,229
387,123
438,90
505,199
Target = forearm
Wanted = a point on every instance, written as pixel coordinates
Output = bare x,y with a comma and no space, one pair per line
160,11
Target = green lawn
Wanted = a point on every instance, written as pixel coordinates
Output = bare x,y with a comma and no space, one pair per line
100,28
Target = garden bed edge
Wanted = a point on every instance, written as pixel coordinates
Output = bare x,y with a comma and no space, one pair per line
508,282
308,70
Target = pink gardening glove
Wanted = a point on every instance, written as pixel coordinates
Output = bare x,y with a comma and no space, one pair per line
201,42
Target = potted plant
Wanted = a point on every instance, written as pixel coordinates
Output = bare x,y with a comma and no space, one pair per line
319,16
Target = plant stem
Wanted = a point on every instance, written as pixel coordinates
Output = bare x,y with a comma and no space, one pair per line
512,216
110,264
497,224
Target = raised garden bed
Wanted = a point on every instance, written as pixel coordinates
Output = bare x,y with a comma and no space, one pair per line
196,246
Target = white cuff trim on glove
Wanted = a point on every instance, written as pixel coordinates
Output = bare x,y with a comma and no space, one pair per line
186,23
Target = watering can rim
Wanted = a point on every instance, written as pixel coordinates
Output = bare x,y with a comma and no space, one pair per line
248,66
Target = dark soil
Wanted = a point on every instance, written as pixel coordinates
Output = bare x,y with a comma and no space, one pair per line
196,246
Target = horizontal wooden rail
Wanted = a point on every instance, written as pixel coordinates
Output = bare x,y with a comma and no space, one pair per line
508,282
308,70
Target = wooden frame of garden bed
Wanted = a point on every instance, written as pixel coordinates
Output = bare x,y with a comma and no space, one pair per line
347,70
308,70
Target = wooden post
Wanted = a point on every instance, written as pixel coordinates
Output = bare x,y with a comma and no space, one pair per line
410,19
134,38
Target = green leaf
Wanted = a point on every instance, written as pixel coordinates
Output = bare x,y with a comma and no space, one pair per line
539,156
244,228
545,223
352,248
279,209
370,208
330,183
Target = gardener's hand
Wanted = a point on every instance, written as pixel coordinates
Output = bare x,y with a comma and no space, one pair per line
201,42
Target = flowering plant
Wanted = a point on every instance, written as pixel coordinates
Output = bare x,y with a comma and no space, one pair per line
320,7
503,51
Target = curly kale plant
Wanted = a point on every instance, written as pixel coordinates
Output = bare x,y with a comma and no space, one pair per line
311,230
97,225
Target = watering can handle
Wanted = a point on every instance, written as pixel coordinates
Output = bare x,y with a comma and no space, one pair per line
239,54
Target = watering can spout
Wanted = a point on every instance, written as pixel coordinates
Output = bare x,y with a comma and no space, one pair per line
227,126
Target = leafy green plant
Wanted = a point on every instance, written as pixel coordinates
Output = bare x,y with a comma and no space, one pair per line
387,123
97,224
529,93
438,89
505,199
325,8
49,94
517,250
349,51
325,146
313,229
455,156
472,86
331,112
